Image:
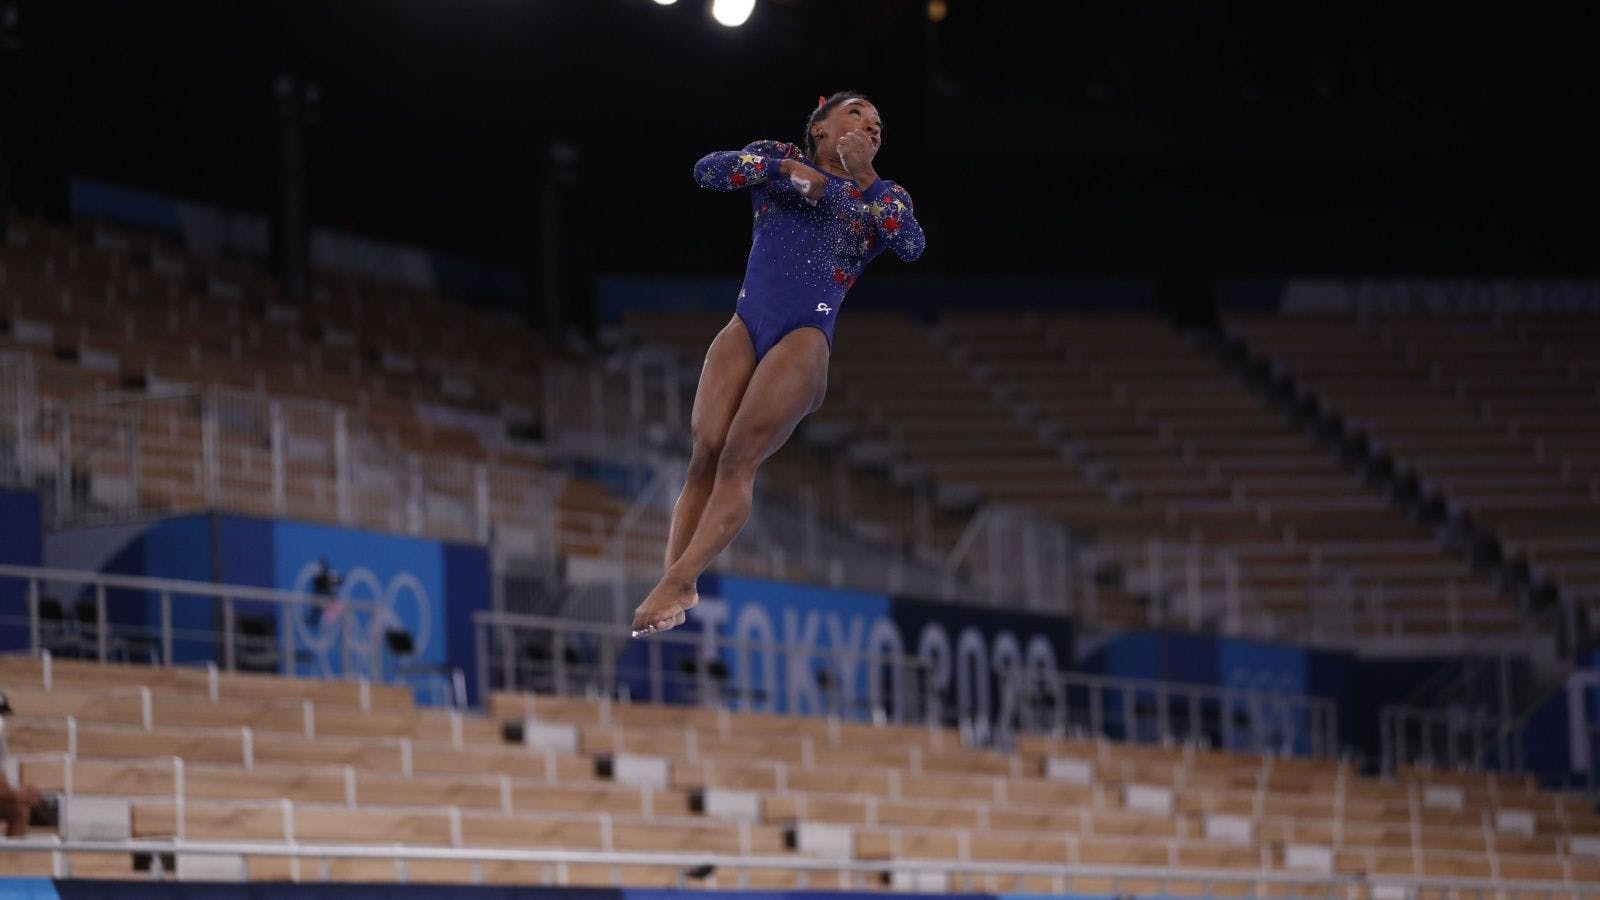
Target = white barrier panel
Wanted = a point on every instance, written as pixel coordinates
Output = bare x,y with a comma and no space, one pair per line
920,882
1072,771
1308,858
96,819
1232,829
1148,798
211,868
743,806
1444,797
830,841
1514,821
561,738
641,771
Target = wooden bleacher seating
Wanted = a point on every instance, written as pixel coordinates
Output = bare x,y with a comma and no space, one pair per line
391,774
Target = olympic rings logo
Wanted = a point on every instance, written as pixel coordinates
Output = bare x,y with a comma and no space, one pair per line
402,603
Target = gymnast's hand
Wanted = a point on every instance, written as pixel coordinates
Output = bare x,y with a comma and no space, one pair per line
856,152
808,181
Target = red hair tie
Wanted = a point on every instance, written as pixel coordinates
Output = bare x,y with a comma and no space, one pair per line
821,102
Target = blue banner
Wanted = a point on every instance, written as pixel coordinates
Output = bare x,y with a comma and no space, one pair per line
178,548
425,593
803,620
971,654
966,651
1270,668
1229,663
403,577
21,544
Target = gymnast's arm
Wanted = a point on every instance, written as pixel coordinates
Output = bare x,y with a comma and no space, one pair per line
895,219
758,163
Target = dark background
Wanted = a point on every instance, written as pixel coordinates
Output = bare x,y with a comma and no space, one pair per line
1205,139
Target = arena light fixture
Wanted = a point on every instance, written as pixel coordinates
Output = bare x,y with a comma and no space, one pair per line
732,13
665,2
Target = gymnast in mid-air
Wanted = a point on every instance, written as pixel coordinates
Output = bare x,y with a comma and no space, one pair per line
821,214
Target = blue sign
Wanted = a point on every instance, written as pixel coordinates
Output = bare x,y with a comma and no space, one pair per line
803,621
973,657
21,544
1267,668
402,577
832,652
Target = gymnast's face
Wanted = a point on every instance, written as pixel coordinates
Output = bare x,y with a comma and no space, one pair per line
851,115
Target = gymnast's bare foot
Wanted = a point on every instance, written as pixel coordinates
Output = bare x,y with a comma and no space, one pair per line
666,608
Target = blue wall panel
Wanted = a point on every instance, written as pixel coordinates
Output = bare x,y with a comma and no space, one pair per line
181,549
425,588
403,576
468,589
21,544
963,646
971,650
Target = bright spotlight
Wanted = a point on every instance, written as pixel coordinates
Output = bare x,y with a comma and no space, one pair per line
666,2
732,13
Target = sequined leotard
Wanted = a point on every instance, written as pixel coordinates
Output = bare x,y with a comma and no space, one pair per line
804,257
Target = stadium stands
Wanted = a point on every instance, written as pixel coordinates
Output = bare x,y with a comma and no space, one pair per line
407,401
1190,499
1128,432
245,757
1183,448
1500,414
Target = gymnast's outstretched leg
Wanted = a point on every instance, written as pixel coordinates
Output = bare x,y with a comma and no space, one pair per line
788,384
730,362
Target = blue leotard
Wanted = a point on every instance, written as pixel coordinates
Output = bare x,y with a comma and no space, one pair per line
804,257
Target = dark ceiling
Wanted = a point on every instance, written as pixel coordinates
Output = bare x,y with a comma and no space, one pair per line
1083,138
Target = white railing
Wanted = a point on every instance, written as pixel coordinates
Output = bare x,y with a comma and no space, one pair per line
1450,739
82,626
631,410
106,456
535,654
17,413
1012,556
539,654
1137,710
700,870
1205,587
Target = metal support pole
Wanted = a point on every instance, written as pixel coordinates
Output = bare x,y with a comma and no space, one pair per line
101,626
230,651
480,493
35,643
166,628
280,500
341,464
480,638
1192,584
209,449
414,498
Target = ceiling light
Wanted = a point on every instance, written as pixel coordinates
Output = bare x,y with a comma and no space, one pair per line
732,13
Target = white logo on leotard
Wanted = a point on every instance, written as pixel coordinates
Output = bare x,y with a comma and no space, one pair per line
824,308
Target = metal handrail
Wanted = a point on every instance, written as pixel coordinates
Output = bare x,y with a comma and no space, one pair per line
1026,704
1065,872
485,621
171,585
167,589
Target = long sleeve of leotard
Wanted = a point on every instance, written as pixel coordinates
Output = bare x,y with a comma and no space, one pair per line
757,163
894,218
